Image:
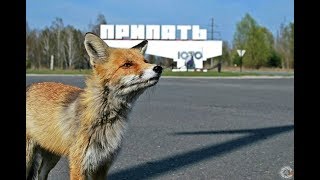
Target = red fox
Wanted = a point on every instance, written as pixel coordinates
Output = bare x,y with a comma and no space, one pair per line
86,125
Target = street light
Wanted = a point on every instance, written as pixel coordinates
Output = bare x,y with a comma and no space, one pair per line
241,53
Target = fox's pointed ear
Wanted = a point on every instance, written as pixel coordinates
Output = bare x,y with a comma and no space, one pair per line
142,46
96,48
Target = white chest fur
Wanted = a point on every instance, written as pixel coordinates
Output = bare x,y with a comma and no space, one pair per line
104,144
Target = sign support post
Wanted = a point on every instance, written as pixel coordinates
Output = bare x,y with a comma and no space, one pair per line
241,53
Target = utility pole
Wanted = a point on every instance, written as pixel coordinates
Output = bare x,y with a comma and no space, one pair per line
212,35
212,26
212,32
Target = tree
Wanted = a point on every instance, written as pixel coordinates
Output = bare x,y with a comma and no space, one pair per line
32,48
95,28
82,60
75,49
285,45
274,60
65,43
57,28
255,39
70,46
45,40
235,57
226,56
27,41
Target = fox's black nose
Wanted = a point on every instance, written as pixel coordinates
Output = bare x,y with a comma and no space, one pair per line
157,69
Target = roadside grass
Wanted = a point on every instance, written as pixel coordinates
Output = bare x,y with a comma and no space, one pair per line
166,72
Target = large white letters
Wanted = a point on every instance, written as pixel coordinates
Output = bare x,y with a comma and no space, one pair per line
164,32
152,32
168,32
122,31
198,34
183,31
137,32
106,31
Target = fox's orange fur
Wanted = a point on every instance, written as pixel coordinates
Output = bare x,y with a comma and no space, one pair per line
86,125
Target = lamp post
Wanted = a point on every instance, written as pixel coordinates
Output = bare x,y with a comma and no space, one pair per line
241,53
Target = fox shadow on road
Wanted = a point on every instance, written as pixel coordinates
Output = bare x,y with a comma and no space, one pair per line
155,168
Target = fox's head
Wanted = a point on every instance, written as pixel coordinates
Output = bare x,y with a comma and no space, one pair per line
123,71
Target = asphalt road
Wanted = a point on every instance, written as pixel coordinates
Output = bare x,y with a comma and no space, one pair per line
204,129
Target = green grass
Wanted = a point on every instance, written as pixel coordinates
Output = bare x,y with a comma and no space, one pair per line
165,73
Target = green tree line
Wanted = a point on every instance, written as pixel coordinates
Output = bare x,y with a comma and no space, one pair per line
262,48
65,45
62,43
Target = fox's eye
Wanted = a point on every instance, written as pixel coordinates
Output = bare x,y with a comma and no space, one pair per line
128,64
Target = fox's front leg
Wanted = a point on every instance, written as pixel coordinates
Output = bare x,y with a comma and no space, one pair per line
75,163
102,172
76,171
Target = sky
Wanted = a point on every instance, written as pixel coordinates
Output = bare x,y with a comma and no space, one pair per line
226,13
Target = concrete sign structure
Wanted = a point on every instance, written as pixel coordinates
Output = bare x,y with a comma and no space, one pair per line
181,43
